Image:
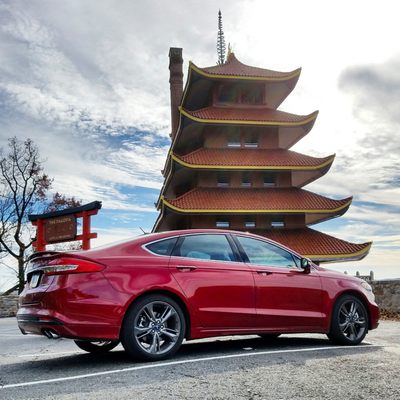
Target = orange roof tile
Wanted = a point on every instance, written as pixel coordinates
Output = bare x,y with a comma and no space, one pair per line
263,158
234,68
256,116
228,200
317,245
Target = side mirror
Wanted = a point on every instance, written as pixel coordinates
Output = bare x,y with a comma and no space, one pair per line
305,264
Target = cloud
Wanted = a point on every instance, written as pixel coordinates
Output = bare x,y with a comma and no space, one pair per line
375,89
97,123
47,81
88,81
363,125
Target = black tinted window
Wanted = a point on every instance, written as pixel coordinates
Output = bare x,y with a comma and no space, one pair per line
206,247
264,253
162,247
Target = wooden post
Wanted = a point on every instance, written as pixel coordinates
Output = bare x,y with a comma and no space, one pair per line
85,231
40,244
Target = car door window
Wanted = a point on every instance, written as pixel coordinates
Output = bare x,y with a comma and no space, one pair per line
206,247
264,253
162,247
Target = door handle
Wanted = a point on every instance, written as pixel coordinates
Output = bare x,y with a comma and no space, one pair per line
263,272
185,268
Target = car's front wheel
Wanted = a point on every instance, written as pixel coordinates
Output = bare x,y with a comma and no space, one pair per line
349,321
98,347
154,328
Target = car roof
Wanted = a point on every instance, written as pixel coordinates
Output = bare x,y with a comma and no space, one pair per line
141,240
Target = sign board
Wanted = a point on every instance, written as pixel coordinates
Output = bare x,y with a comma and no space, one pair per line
60,229
61,226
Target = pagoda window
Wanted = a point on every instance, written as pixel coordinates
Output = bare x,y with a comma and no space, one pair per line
251,141
269,180
246,179
278,222
234,140
250,223
227,93
222,180
248,94
222,224
251,94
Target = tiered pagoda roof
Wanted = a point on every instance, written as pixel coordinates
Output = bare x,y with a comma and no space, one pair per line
279,84
264,159
234,69
304,169
247,116
319,246
236,200
290,128
230,162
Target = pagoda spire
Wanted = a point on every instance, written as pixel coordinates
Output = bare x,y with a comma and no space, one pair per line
221,47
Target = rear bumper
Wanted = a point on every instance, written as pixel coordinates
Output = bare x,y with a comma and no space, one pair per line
44,323
40,326
80,306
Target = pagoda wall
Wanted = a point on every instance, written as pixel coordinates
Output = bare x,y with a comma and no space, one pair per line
218,139
209,179
214,141
299,178
237,222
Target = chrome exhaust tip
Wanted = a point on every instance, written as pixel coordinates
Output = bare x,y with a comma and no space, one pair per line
50,334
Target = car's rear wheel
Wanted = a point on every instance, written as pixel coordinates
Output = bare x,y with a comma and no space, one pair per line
349,321
154,328
97,347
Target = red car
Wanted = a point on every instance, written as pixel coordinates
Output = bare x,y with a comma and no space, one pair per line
152,292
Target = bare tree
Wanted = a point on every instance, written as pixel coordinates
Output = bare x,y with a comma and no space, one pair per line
23,191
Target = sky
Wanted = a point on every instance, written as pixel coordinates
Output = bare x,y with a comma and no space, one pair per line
87,80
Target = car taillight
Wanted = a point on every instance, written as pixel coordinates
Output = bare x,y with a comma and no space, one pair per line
63,266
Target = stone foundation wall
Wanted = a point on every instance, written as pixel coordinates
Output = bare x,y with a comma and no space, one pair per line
8,305
387,294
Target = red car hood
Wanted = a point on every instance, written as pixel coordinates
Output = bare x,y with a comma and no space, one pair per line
337,275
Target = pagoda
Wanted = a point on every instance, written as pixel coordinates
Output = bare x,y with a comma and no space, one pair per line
230,164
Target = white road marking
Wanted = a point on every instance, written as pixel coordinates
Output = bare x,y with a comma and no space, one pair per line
50,354
179,362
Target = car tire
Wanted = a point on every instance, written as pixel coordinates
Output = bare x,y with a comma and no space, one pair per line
153,328
349,321
98,347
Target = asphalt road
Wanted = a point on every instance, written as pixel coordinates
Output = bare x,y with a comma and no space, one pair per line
245,367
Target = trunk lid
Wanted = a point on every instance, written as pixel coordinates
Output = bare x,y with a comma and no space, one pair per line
37,272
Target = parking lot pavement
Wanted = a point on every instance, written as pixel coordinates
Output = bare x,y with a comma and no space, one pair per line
245,367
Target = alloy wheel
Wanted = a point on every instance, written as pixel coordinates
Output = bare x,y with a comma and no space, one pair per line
352,320
349,321
154,328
